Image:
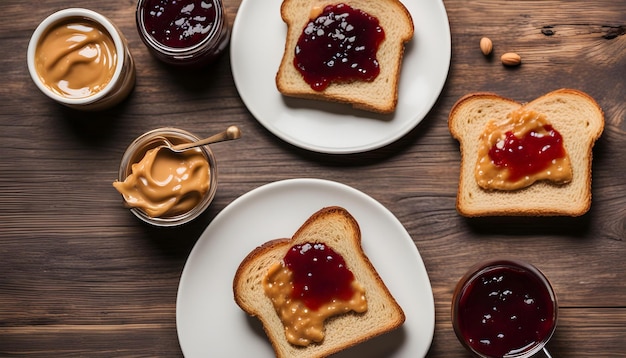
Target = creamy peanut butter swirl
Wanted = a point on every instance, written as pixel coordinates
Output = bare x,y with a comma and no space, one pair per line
76,58
165,183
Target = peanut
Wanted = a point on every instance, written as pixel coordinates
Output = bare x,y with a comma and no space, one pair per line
511,59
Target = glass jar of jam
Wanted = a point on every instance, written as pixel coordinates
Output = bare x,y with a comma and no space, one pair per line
504,309
80,59
189,33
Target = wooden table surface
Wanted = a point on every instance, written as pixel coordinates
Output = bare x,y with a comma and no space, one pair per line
81,277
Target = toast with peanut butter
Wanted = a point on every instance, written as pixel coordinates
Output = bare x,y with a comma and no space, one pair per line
317,293
343,42
531,159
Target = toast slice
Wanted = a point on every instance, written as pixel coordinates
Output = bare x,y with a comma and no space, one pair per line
379,95
336,228
572,113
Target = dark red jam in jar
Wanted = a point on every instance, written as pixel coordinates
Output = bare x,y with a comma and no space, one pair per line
528,155
319,274
340,45
504,309
183,32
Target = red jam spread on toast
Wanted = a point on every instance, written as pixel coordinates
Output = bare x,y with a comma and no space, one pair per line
505,311
311,284
179,23
532,153
339,45
521,150
319,275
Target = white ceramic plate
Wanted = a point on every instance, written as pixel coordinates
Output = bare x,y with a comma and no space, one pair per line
257,44
209,322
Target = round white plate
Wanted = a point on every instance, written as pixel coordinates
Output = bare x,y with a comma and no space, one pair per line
209,322
257,45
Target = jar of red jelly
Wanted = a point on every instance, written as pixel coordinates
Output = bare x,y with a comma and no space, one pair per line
183,32
504,309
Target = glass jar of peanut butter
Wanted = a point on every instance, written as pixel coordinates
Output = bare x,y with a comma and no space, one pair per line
80,59
189,33
162,187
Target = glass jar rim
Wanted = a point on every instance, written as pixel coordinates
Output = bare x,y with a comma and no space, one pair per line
181,52
64,15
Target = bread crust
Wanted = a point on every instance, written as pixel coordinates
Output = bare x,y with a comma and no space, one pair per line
575,114
342,331
379,95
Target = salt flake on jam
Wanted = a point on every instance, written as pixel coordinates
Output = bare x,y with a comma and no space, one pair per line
319,274
340,45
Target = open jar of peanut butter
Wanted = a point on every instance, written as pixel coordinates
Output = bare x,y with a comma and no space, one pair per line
80,59
166,188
